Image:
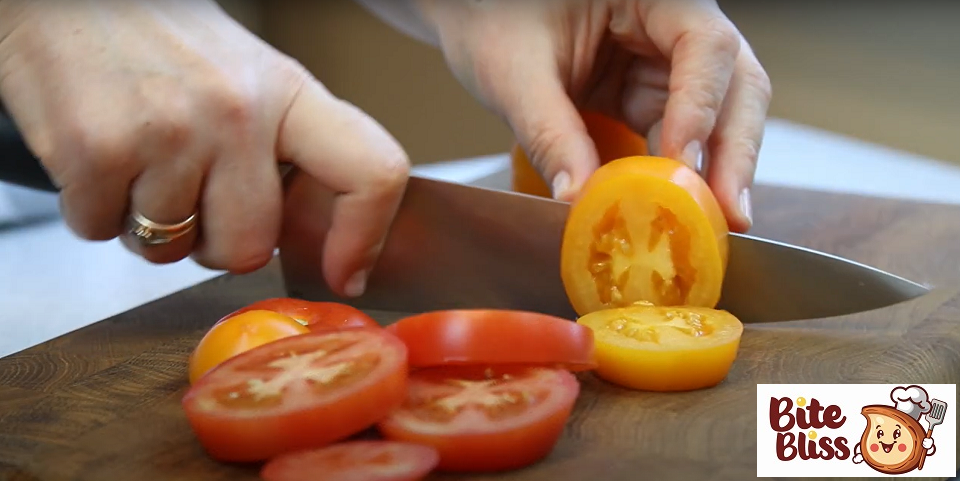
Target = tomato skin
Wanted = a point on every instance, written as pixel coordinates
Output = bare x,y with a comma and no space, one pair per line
240,334
612,139
655,215
314,315
492,337
355,461
467,444
342,398
628,356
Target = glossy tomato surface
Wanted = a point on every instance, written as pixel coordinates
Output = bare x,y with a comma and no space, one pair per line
490,419
493,337
240,334
612,139
644,229
297,393
654,348
354,461
314,315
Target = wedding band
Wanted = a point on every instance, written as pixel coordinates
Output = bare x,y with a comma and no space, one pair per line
150,233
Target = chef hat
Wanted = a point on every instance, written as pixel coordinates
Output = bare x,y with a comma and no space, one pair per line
911,400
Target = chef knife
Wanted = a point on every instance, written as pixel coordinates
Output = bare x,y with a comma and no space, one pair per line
481,246
457,246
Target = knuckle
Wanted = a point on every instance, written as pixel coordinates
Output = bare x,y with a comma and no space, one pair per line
748,149
393,171
758,78
172,128
541,144
720,33
233,103
100,150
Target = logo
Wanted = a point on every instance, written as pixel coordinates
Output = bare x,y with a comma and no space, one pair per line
836,430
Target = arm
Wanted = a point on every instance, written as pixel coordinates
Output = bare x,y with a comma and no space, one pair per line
405,16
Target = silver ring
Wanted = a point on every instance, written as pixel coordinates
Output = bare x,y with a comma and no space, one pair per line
150,233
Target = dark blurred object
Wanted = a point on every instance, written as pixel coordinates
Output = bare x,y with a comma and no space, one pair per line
18,165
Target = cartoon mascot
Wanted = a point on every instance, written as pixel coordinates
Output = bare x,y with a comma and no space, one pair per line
894,441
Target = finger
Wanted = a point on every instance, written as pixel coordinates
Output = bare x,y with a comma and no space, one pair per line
703,46
240,208
95,188
645,97
534,101
735,144
167,193
353,155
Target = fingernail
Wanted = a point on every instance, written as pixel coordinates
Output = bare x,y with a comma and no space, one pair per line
746,206
691,155
356,284
561,183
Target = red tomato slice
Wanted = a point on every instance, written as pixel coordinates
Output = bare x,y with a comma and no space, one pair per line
297,393
492,337
314,315
355,461
485,420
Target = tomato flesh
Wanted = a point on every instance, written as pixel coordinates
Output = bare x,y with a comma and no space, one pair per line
644,229
492,337
354,461
483,420
314,315
237,335
656,348
297,393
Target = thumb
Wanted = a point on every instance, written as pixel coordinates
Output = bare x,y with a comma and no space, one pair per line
546,123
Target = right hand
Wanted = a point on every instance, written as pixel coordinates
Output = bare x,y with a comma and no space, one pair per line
169,108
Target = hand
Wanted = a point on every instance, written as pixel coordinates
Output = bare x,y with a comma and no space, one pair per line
857,458
168,108
677,71
927,443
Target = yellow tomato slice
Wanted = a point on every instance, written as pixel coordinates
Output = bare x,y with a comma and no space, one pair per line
644,229
612,139
238,334
656,348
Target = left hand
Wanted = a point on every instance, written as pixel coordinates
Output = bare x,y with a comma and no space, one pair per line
676,71
927,443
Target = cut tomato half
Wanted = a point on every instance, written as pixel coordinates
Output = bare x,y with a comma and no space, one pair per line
314,315
492,419
491,337
354,461
297,393
651,348
644,229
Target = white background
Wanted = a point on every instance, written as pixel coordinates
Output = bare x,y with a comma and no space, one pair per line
850,398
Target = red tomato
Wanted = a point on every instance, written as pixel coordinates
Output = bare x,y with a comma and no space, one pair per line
492,337
297,393
355,461
485,419
315,315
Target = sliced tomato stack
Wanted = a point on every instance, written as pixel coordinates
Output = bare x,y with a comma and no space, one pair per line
462,390
492,389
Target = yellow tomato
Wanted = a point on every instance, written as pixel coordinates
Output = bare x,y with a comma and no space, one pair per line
238,334
644,229
657,348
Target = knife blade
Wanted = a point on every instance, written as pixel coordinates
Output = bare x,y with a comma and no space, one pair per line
481,246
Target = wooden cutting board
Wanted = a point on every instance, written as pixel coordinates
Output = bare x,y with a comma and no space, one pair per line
102,403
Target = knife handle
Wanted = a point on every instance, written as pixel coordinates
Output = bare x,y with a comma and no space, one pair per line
18,165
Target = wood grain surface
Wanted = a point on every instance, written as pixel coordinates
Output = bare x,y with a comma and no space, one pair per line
103,402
